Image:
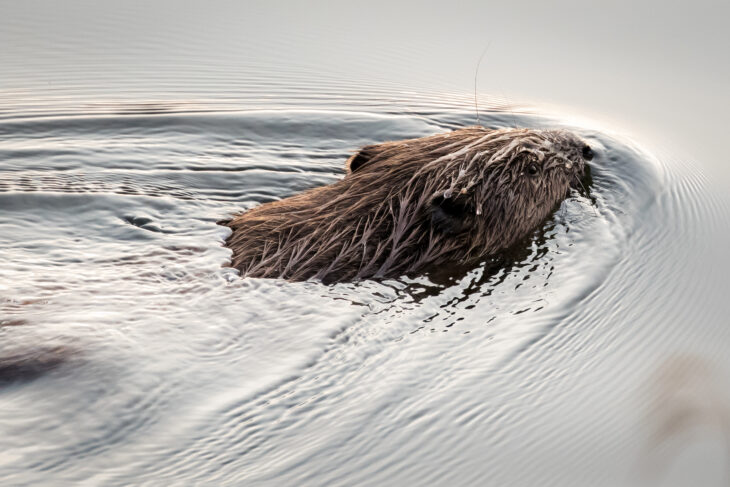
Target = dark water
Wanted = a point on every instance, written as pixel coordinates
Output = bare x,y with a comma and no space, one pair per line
596,354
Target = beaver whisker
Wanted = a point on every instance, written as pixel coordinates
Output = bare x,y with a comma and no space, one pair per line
595,211
476,75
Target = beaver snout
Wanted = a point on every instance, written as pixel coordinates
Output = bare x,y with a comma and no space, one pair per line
577,165
587,152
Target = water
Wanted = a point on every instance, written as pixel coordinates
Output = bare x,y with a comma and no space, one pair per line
595,354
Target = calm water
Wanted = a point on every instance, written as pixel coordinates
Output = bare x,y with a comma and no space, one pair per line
595,353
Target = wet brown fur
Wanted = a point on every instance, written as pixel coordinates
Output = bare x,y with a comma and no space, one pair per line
406,205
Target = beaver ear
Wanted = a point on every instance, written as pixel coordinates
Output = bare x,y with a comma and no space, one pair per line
361,158
449,215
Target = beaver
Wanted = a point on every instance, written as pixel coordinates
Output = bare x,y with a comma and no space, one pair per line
406,206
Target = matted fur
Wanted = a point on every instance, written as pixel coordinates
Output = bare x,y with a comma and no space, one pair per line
405,205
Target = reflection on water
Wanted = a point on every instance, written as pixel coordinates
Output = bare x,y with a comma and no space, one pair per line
129,353
689,403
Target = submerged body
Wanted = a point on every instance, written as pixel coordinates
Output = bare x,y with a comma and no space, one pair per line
408,205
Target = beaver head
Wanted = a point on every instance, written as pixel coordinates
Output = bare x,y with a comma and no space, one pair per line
407,205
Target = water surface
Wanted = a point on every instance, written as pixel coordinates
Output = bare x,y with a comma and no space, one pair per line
595,353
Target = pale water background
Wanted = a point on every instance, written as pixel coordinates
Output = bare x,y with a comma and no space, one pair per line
598,354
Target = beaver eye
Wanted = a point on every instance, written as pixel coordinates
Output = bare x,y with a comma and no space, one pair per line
532,169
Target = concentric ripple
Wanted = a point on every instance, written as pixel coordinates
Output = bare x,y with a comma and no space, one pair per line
129,353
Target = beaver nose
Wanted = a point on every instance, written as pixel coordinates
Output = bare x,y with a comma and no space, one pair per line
587,152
